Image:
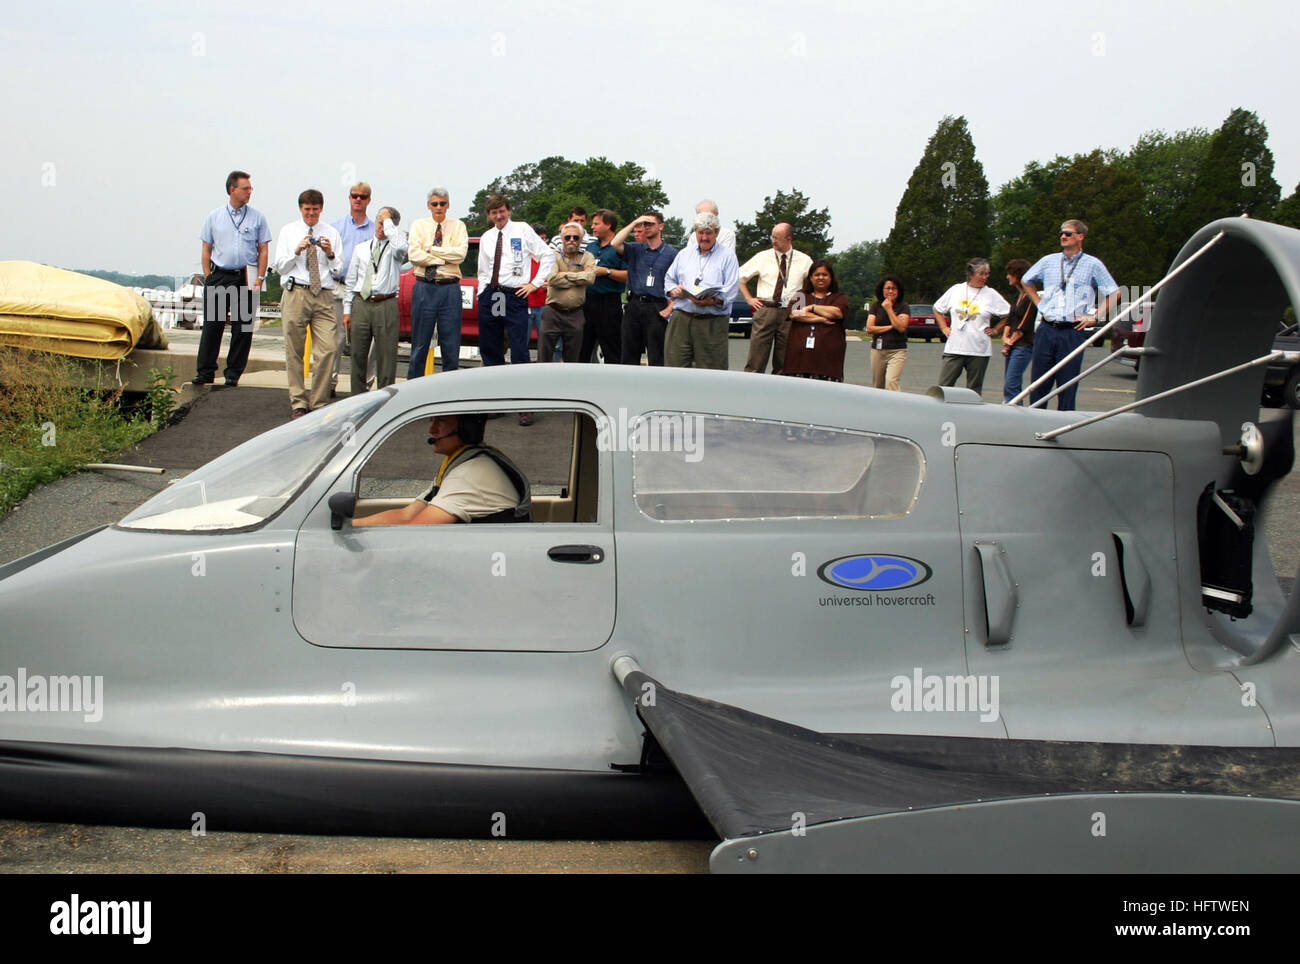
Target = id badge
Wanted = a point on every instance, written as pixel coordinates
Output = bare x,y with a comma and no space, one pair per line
808,342
517,249
650,280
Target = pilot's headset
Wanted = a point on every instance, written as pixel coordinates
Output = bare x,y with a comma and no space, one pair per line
469,429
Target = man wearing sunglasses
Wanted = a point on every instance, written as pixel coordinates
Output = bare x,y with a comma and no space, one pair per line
354,228
438,244
566,295
1077,292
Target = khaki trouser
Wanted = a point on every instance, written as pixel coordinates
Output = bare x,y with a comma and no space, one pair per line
771,325
300,310
375,321
887,367
696,341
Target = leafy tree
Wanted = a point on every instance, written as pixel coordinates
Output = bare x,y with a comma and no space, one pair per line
1288,211
1013,207
1166,164
674,231
1108,196
810,226
1234,177
858,268
545,191
943,216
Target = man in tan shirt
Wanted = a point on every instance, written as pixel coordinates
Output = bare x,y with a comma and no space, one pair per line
438,244
566,293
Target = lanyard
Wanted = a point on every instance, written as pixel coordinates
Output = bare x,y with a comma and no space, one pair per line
243,213
1065,278
377,255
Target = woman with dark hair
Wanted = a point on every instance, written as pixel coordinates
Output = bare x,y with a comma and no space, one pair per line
1018,329
887,325
815,348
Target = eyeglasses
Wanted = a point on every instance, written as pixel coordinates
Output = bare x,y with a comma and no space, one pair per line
438,204
359,197
1068,234
573,237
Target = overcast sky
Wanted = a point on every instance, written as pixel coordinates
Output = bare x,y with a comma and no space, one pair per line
122,119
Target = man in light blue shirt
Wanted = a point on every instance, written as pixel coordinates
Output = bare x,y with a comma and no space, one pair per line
1077,293
701,284
235,238
353,228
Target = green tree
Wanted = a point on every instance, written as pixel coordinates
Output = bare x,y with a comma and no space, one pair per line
811,226
1234,177
1166,164
1288,211
943,216
674,231
1108,196
857,268
1013,207
545,191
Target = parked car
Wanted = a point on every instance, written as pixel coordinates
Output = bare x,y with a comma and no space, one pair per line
921,323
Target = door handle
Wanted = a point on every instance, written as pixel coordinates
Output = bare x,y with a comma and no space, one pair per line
582,554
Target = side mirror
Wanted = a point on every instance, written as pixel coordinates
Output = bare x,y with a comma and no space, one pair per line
341,504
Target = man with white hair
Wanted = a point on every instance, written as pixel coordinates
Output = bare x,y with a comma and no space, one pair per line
438,244
726,236
701,284
566,296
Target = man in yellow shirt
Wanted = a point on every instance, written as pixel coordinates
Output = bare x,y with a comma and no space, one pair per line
438,244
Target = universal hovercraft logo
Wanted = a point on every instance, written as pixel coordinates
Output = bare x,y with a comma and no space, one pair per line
876,576
22,693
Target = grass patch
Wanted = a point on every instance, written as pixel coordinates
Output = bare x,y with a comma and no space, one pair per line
50,427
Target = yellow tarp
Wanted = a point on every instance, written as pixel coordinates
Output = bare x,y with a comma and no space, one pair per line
49,309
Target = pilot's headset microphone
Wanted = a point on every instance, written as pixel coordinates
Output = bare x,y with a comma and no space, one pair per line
470,428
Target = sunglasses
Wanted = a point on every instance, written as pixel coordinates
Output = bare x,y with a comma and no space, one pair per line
1067,234
438,204
358,197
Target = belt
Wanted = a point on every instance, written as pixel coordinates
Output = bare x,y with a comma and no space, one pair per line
291,283
440,281
656,299
1059,324
510,288
380,297
215,269
698,314
769,303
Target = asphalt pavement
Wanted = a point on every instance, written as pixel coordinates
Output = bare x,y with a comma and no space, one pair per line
216,420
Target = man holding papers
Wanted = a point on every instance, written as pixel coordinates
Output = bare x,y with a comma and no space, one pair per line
702,282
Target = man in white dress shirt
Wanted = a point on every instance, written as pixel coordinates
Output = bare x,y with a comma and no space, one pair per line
781,271
726,236
965,316
308,255
505,258
370,304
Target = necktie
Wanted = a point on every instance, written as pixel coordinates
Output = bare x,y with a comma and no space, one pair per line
437,237
372,265
313,269
780,282
496,258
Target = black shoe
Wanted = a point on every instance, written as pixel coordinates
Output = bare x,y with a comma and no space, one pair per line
232,382
200,380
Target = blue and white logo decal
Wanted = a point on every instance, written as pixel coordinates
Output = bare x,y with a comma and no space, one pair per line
874,572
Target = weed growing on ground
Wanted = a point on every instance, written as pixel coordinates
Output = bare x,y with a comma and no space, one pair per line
50,427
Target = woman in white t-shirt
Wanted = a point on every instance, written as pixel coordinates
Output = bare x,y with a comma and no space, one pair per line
965,315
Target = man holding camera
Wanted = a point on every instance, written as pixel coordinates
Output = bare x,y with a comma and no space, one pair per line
308,256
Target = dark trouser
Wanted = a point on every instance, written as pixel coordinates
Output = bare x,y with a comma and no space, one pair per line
1017,361
604,314
643,330
771,330
974,365
226,295
502,310
377,321
557,324
696,340
434,307
1051,344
